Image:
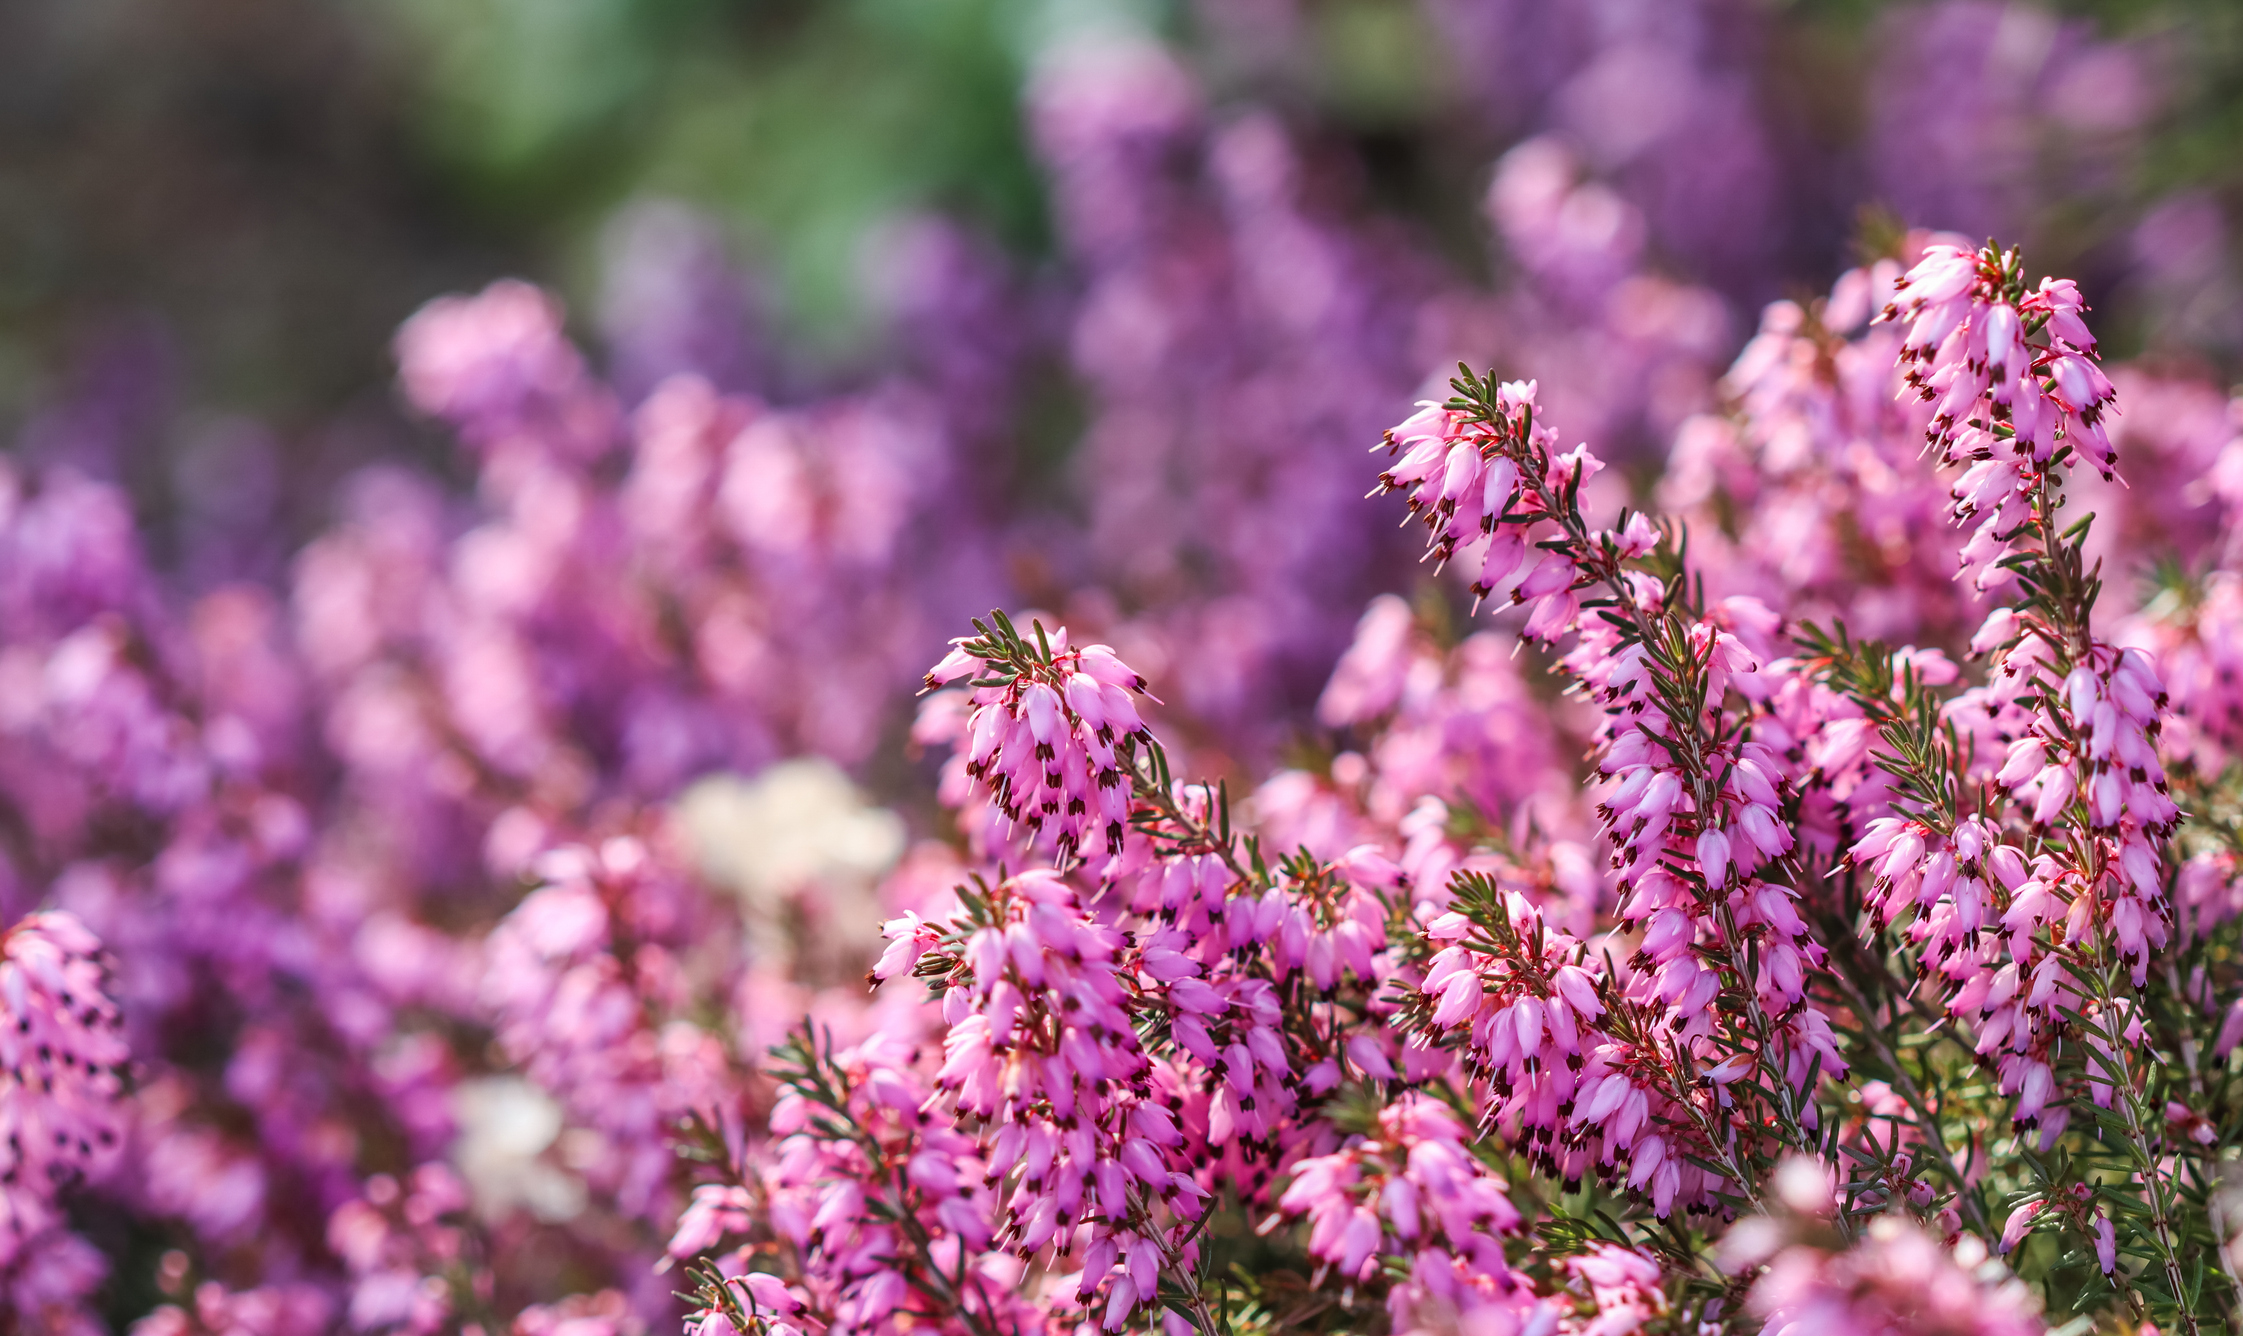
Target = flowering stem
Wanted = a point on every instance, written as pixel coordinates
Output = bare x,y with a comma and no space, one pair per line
1195,1294
1925,770
2068,594
1722,1139
1667,649
814,1081
2120,1073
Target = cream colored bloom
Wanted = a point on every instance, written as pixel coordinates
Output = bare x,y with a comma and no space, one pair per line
505,1126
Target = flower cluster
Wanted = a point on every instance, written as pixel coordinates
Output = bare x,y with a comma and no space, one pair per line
1809,494
1043,1050
63,1066
1469,487
1987,911
1692,811
1466,724
2014,380
1579,1089
2068,854
412,1264
884,1214
1049,730
1894,1278
2042,902
1411,1189
570,972
1762,930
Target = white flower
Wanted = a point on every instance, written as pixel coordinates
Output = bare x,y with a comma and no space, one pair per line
800,823
505,1126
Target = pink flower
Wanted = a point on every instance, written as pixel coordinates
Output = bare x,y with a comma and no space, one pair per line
2020,1221
62,1042
1411,1177
1049,734
2002,394
498,367
1894,1278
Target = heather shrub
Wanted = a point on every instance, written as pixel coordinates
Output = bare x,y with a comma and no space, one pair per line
1709,843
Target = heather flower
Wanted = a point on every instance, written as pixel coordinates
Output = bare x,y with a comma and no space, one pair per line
2066,727
70,554
505,1126
1896,1279
1223,955
2195,646
407,1251
1816,471
498,367
1461,724
1627,1287
279,1309
2081,763
569,976
1566,1082
1043,1048
857,1155
1235,334
2013,374
64,1053
1410,1189
1049,735
508,852
1579,238
2041,908
1478,483
1691,811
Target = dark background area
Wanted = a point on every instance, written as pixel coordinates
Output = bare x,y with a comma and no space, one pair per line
214,213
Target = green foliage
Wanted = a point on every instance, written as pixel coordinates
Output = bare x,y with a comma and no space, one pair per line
803,126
